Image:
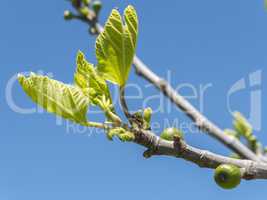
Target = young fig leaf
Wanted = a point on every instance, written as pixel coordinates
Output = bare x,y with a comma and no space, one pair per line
56,97
115,46
91,83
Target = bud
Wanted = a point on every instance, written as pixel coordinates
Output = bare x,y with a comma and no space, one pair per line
68,15
86,2
115,132
227,176
147,115
84,11
241,125
253,143
97,5
126,137
170,133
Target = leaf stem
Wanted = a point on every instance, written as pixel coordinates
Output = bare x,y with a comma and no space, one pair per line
123,103
113,117
96,125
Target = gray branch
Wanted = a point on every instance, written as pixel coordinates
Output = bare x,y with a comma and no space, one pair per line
253,168
180,149
200,120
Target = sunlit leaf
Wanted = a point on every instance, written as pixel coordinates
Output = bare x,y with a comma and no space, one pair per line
115,46
56,97
91,83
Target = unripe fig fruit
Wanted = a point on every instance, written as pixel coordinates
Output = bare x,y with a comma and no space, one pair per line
227,176
170,133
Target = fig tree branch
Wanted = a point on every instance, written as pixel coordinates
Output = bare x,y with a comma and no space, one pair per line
206,159
200,120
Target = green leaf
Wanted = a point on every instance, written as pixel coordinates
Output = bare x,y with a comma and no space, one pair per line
91,83
115,46
56,97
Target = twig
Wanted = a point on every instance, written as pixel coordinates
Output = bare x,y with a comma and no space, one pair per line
157,146
123,103
200,120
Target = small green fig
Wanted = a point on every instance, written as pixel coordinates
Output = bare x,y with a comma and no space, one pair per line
97,5
227,176
170,133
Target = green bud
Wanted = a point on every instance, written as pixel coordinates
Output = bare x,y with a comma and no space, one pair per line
138,114
241,125
126,137
227,176
121,133
232,133
115,132
68,15
170,133
253,142
147,114
110,135
84,11
86,2
97,5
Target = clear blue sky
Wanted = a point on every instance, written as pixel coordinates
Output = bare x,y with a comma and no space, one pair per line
200,42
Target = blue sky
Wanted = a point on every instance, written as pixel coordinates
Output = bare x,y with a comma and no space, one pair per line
201,43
